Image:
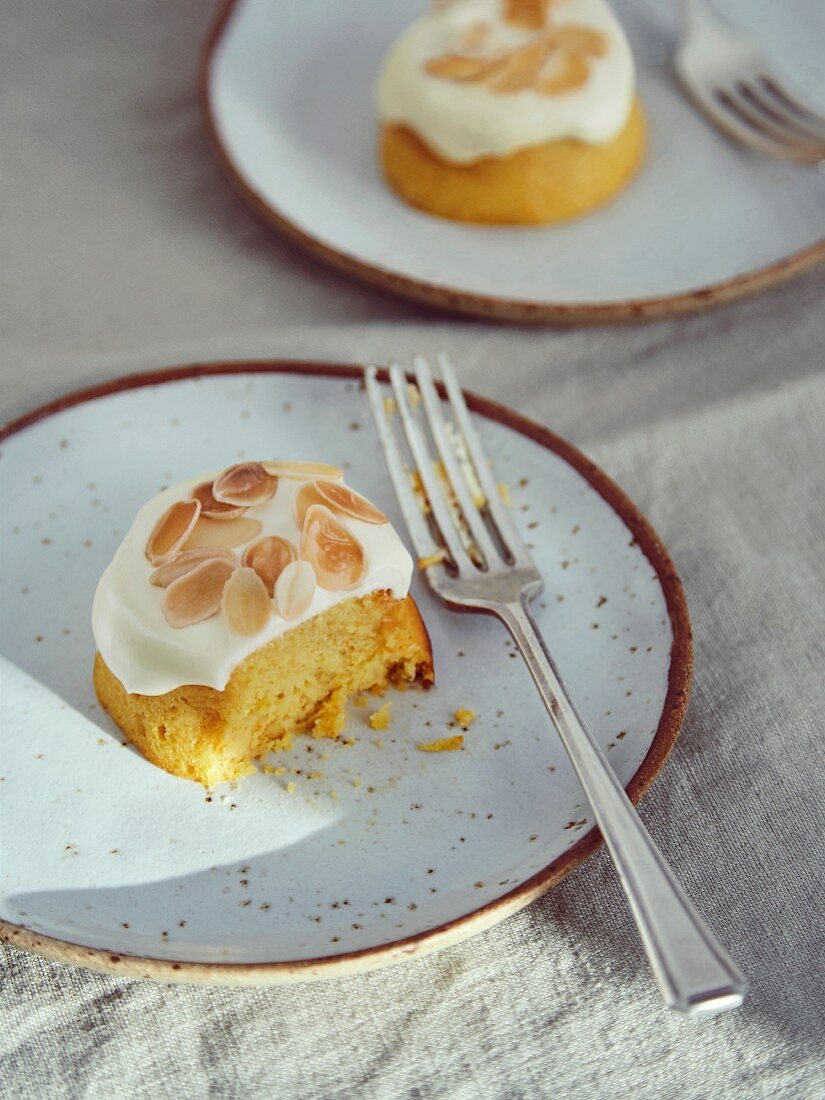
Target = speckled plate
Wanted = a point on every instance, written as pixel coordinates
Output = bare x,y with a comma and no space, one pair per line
288,96
359,855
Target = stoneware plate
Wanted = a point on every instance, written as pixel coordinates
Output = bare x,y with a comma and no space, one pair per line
383,852
288,92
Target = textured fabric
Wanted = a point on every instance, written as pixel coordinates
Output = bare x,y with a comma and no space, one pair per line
125,250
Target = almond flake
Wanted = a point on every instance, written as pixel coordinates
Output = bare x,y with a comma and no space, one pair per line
269,556
531,14
521,69
223,532
453,66
342,499
300,471
247,483
186,561
171,530
567,71
306,496
580,39
294,589
197,594
246,603
336,556
215,509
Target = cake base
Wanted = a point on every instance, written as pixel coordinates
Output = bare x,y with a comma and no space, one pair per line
544,183
298,683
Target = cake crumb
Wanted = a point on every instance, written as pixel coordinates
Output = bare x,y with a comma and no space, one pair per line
315,775
390,406
443,744
269,770
381,719
356,783
465,717
432,559
359,701
413,395
290,787
504,493
330,718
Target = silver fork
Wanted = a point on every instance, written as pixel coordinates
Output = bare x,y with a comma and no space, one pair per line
694,973
728,77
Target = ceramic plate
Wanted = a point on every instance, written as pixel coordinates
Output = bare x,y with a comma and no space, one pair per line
288,90
379,851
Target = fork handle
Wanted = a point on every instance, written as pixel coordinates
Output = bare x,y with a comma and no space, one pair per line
694,972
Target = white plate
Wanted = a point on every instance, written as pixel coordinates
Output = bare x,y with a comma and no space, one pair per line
152,875
289,93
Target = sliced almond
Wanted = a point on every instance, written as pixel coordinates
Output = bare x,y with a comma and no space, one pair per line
476,36
565,72
186,561
580,39
215,509
469,70
269,556
197,594
521,69
223,532
171,530
336,556
531,14
301,471
245,602
246,484
294,589
342,499
306,496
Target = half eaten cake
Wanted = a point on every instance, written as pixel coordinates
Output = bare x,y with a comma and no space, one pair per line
244,608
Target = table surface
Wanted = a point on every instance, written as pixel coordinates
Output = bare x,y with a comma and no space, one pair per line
124,250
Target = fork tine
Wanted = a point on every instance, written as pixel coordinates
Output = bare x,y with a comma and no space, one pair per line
782,95
423,541
426,471
749,103
762,100
726,113
495,504
435,419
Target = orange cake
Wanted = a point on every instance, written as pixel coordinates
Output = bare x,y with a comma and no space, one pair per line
244,608
510,111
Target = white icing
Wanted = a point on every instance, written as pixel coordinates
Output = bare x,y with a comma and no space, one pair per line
463,122
150,657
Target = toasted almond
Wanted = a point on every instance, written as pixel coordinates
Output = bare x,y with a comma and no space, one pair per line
215,509
294,589
336,556
186,561
580,39
245,602
531,14
301,471
565,72
469,70
521,68
171,530
306,496
269,556
247,484
342,499
223,532
476,36
197,594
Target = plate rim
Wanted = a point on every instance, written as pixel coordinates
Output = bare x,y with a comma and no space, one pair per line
453,300
476,920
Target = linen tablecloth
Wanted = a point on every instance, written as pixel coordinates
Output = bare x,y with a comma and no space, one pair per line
123,250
